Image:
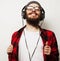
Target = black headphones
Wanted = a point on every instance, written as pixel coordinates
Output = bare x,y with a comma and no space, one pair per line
24,11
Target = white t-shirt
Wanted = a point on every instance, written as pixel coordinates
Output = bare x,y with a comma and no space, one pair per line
31,38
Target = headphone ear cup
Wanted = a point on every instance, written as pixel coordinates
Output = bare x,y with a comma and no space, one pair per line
24,12
42,14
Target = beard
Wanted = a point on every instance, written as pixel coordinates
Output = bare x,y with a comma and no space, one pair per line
33,21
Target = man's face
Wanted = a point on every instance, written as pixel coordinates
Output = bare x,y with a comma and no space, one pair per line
33,14
33,11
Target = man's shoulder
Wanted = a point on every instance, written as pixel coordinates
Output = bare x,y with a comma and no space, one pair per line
48,32
18,31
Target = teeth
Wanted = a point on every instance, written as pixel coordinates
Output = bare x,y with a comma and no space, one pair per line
33,14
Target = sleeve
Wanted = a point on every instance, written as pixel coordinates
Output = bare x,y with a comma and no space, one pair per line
54,56
12,56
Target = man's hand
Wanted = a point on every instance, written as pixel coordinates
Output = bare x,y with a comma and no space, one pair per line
10,49
47,49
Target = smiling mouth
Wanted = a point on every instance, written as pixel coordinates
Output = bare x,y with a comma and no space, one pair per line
33,13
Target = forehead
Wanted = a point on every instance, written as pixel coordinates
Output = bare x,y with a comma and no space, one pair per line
33,4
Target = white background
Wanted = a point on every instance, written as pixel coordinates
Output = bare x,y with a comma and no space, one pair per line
10,20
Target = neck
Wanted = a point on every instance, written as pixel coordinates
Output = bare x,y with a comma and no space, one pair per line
32,28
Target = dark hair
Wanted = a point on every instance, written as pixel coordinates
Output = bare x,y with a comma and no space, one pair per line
42,16
33,2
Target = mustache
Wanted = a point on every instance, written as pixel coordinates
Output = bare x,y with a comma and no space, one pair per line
32,12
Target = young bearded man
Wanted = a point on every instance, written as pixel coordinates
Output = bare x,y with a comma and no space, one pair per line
32,43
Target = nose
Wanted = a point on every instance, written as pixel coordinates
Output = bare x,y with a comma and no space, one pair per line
33,9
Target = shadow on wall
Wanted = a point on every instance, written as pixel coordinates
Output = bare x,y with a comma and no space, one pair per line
45,24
